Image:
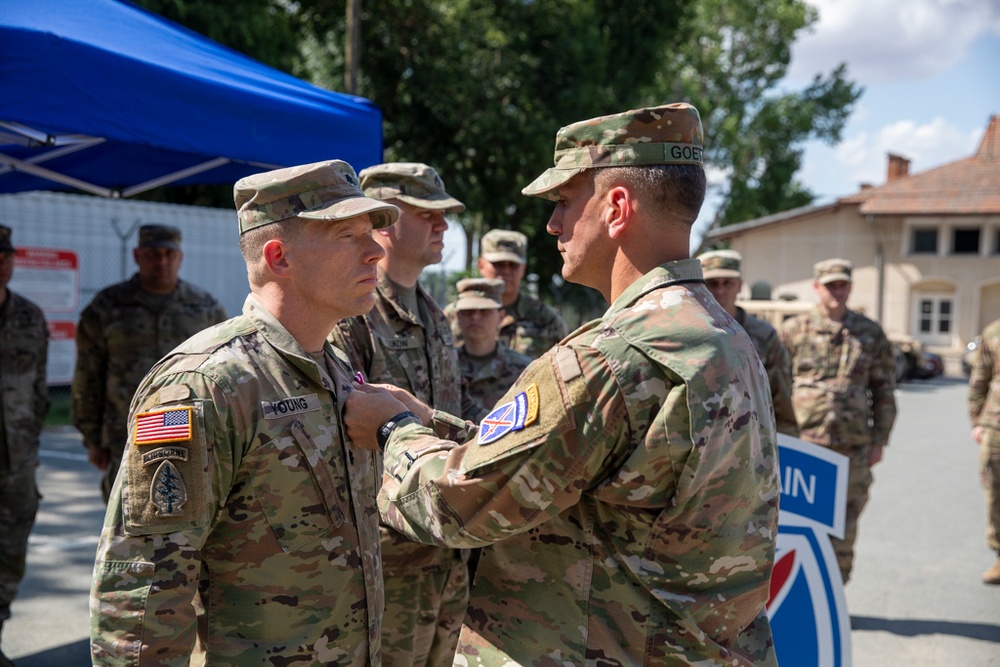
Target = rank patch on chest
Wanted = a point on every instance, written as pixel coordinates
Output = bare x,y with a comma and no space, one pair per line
509,417
163,426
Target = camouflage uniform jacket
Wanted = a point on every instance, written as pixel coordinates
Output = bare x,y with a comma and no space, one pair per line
631,503
389,344
984,380
122,333
484,384
530,326
844,378
259,504
23,350
774,356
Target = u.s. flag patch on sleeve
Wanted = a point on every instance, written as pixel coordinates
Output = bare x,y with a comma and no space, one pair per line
172,425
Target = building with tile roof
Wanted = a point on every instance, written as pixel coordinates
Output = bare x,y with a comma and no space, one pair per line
926,248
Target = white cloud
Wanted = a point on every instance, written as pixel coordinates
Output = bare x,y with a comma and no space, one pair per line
888,40
926,145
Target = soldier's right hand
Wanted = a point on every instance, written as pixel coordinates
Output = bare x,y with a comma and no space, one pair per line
99,457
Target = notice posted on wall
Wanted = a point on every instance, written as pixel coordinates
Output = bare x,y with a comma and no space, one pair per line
48,277
62,352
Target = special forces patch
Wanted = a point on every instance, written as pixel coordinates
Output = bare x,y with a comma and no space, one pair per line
167,491
509,417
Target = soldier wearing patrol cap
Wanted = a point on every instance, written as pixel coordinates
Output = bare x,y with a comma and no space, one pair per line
238,494
843,387
488,370
723,271
405,340
529,326
627,483
125,329
23,403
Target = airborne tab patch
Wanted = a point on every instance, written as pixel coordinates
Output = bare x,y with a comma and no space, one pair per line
163,426
509,417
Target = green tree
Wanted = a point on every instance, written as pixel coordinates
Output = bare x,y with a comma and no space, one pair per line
732,66
478,88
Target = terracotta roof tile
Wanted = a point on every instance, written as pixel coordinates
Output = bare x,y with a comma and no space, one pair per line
967,186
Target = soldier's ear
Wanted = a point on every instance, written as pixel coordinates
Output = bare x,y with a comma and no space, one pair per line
275,256
620,209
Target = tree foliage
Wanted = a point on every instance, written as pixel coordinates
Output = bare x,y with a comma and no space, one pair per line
731,68
477,88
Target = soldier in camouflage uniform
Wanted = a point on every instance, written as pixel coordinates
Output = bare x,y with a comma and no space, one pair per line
627,484
984,412
488,370
723,271
126,329
23,348
238,494
844,379
405,340
529,326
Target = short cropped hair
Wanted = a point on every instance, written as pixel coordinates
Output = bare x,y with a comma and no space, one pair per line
252,245
675,190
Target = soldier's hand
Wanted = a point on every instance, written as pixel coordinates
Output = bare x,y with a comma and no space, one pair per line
875,455
412,403
99,457
365,410
977,434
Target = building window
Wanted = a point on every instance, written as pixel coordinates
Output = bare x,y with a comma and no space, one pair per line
996,241
934,317
925,241
965,241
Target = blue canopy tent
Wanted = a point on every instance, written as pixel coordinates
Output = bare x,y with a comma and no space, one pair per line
105,97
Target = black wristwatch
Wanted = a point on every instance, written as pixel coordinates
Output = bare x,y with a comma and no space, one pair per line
385,430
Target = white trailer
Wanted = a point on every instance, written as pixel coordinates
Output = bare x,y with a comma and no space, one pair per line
102,233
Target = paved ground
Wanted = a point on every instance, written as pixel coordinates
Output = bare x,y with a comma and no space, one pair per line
915,600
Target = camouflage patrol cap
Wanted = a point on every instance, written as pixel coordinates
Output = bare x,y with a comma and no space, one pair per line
326,190
830,270
412,182
721,264
159,236
5,244
504,245
479,294
669,134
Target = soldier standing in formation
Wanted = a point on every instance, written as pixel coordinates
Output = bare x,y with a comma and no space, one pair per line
984,412
405,340
238,495
529,326
844,379
126,329
723,270
25,400
627,484
488,369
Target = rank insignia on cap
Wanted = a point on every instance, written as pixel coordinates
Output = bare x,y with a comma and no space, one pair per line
512,416
167,491
163,426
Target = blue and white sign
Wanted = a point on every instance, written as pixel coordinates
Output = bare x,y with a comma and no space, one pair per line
807,610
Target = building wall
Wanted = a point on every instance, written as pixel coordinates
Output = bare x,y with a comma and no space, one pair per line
783,255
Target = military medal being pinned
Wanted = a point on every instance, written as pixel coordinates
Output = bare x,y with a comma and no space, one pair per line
512,416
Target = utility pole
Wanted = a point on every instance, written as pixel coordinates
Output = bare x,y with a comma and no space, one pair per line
352,51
